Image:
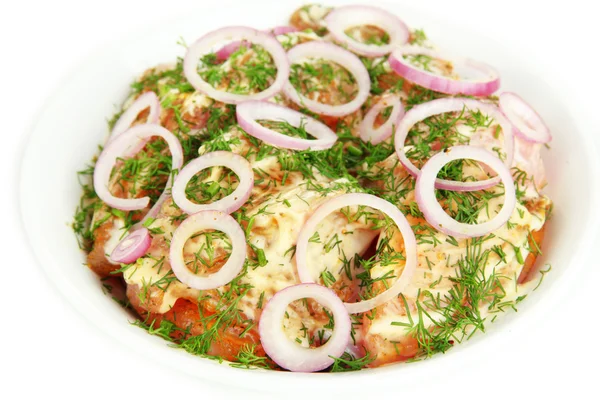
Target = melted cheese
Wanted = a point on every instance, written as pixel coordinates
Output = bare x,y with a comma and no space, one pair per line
436,264
438,257
116,234
314,14
279,214
291,39
196,101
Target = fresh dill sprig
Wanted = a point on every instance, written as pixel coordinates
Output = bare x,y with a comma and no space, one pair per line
348,362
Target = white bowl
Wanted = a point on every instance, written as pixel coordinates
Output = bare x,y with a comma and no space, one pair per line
74,122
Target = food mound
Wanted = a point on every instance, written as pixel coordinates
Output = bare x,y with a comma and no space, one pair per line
331,195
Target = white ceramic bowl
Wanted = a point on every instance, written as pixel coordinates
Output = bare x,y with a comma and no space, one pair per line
74,122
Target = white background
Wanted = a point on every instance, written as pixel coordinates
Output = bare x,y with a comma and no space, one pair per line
48,349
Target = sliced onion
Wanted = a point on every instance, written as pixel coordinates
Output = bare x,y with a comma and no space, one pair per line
199,222
205,45
342,18
355,199
433,211
484,86
439,106
238,164
146,100
528,123
346,59
368,133
287,353
283,30
122,144
249,112
132,247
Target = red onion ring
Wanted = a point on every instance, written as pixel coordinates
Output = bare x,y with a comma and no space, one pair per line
473,87
198,222
132,247
205,44
376,136
354,199
342,18
528,123
288,354
238,164
344,58
433,211
249,112
439,106
146,100
122,144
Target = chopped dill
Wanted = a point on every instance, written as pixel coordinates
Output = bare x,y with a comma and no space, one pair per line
436,318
